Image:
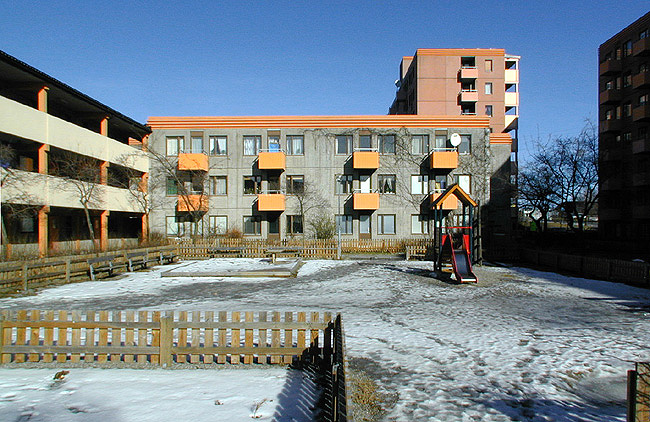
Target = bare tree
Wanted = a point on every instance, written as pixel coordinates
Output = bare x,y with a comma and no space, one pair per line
308,199
7,156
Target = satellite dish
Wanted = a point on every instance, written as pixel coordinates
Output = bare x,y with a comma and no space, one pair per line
455,139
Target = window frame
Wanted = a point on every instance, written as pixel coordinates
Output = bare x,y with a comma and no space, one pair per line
348,144
489,91
469,182
381,144
423,222
380,183
180,145
256,220
258,184
465,137
381,224
213,185
489,110
291,146
344,221
212,226
291,183
257,139
212,143
423,142
349,178
291,221
423,183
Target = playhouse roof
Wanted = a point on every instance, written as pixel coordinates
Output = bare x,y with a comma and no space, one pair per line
457,191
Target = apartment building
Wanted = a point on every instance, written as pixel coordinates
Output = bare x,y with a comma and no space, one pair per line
62,153
376,175
624,138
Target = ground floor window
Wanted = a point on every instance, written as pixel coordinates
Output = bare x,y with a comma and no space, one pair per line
419,224
218,224
386,223
252,224
364,224
174,228
344,224
294,224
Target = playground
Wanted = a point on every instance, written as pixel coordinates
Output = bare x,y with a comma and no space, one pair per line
518,345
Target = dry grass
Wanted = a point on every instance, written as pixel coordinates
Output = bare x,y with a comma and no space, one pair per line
365,397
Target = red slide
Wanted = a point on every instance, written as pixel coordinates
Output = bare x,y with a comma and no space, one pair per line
460,259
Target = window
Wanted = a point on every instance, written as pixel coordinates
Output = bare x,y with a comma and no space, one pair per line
468,61
196,184
468,108
644,34
464,181
274,144
643,100
441,142
295,145
627,48
252,224
610,85
175,144
419,224
440,182
274,184
218,185
343,184
365,183
627,109
387,144
252,185
627,80
173,228
488,88
196,143
419,184
27,224
252,145
627,136
344,224
295,184
218,145
488,110
172,187
365,142
274,224
386,183
489,65
364,224
218,224
465,144
419,144
294,224
609,115
343,144
386,223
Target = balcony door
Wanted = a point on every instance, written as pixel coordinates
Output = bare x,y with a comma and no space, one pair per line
364,183
364,226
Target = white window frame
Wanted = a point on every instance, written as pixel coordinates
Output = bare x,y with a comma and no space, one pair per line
215,225
348,145
419,184
419,224
381,223
292,145
344,221
257,144
214,185
214,141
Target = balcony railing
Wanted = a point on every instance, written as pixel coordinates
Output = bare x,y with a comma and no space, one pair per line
193,203
271,200
193,161
641,80
444,159
609,96
641,113
365,158
365,201
609,66
641,146
613,125
271,160
468,72
641,47
468,96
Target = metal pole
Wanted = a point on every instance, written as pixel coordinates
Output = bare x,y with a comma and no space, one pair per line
338,226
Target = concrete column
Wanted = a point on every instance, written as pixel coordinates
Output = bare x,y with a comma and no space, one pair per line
103,172
145,143
103,126
103,230
42,159
43,232
42,99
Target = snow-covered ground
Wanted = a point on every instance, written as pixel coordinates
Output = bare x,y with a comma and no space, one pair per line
520,345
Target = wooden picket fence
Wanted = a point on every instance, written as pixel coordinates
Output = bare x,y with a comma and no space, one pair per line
638,393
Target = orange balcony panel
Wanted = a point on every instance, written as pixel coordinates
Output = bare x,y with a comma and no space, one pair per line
271,160
468,73
192,203
444,160
451,203
641,47
365,159
365,201
193,162
468,96
270,202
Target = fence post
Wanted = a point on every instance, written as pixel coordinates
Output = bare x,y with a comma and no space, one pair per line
25,278
67,270
166,341
631,395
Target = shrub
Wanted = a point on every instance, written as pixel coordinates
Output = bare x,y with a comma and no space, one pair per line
323,226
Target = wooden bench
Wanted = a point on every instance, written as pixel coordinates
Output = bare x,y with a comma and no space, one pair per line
100,264
136,258
168,256
235,250
274,252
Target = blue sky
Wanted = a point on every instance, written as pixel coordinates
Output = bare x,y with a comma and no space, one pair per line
147,58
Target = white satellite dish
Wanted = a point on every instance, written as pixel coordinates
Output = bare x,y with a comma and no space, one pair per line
455,139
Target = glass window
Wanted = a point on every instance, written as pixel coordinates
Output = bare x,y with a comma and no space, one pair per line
365,142
172,187
387,144
386,183
295,184
173,227
441,142
294,224
488,110
419,224
488,88
386,223
295,145
627,80
196,183
218,185
252,185
627,48
440,182
343,184
364,223
252,224
175,144
464,181
252,145
218,224
343,144
27,224
274,224
465,144
274,144
419,144
218,145
419,184
489,65
627,109
344,223
196,144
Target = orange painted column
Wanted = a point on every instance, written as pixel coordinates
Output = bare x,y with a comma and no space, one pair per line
42,99
145,228
42,159
103,172
144,186
145,143
43,232
103,230
103,126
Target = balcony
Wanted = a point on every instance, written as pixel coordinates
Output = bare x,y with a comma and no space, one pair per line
271,160
468,96
365,159
641,113
612,154
641,47
365,201
193,162
192,203
641,80
511,122
613,125
444,160
511,99
609,66
271,202
641,179
642,146
450,203
609,96
468,73
611,184
511,76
